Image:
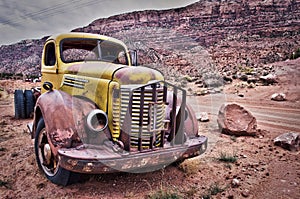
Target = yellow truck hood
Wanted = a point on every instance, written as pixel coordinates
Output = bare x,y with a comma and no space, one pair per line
136,75
100,70
120,73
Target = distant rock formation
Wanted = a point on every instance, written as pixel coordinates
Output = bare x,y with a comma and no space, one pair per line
207,35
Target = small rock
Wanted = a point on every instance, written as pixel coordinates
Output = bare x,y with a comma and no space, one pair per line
242,85
244,77
203,117
202,92
227,79
265,72
278,97
188,78
251,85
199,82
241,95
211,91
246,193
244,156
252,80
217,90
230,195
235,182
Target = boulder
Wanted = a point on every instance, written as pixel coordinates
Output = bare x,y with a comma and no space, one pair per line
289,141
233,119
278,97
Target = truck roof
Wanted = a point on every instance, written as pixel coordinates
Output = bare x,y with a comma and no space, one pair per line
62,36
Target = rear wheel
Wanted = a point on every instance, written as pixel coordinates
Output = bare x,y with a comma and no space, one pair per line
19,104
47,162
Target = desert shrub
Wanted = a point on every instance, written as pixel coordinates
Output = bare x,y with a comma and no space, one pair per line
224,157
214,189
190,166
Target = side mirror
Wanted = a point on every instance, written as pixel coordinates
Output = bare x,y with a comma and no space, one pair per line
134,58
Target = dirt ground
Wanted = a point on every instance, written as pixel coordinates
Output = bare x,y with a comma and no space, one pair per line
261,170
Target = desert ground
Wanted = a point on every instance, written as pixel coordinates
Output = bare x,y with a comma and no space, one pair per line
260,169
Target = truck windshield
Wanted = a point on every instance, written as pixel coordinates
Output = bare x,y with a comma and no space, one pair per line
77,50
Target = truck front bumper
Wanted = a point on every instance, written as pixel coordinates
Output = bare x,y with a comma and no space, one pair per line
103,159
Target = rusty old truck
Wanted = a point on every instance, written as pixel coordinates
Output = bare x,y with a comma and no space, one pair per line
98,111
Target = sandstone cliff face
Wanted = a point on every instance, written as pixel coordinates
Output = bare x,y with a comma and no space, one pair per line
23,58
210,34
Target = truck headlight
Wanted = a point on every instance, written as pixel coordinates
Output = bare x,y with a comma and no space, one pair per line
96,120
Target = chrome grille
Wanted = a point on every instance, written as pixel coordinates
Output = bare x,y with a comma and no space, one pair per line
143,110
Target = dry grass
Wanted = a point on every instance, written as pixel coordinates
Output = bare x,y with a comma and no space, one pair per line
190,166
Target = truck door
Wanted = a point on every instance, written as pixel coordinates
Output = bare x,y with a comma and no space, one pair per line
49,65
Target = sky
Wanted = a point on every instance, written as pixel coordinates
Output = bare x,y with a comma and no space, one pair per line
34,19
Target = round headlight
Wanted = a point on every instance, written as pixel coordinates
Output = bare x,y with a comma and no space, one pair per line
97,120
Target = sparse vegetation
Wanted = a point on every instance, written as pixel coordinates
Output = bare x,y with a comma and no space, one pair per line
5,184
189,167
246,69
214,189
164,194
224,157
190,193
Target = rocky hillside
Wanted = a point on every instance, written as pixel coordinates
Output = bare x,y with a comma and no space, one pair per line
207,35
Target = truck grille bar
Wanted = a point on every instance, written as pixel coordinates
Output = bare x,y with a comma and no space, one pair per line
142,116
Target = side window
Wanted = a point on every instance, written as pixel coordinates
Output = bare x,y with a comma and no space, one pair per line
50,58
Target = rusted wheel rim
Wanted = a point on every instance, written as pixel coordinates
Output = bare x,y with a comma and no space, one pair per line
46,158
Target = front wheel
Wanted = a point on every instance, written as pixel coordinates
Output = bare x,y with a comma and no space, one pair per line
46,160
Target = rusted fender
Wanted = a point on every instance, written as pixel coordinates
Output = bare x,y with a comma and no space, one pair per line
64,118
190,123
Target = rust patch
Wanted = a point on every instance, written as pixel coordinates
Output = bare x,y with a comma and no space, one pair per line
64,138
